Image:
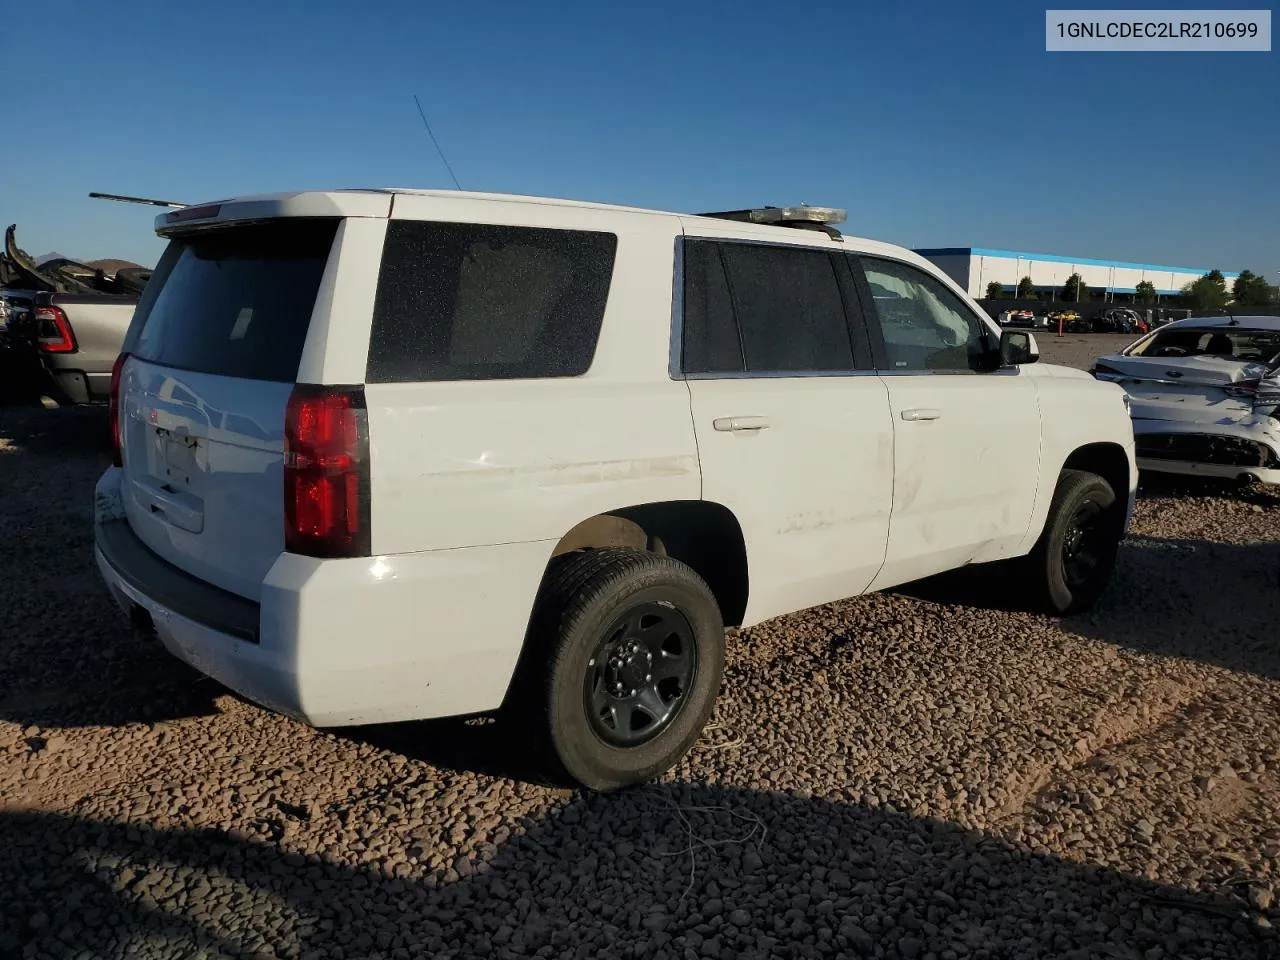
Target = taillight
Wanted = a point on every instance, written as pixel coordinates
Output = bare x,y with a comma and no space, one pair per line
53,330
113,409
326,472
1102,371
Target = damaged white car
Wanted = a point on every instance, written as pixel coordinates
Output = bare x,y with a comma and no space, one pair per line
1204,396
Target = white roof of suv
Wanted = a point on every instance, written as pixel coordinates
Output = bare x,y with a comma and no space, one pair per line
379,202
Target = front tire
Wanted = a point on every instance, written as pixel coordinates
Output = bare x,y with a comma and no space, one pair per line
1072,562
623,664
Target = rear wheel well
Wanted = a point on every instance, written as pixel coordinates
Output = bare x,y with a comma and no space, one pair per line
1108,461
699,533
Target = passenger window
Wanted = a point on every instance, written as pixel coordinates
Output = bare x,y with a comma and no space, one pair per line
924,325
462,301
788,307
711,343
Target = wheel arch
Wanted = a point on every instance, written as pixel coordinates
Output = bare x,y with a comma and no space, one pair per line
702,534
1107,460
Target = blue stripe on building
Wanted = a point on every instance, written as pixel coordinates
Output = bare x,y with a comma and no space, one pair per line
1075,261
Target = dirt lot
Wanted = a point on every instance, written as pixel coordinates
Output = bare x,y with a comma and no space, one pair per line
891,776
1080,349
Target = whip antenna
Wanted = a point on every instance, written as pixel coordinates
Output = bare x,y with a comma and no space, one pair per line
443,159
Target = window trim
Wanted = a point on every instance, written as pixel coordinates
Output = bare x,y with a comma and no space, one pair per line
675,356
879,354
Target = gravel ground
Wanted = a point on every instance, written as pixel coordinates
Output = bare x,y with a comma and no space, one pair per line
1080,349
891,776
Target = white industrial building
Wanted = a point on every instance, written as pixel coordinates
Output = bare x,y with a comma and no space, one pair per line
975,267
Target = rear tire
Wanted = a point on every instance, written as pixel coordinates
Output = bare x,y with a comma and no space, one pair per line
622,665
1072,562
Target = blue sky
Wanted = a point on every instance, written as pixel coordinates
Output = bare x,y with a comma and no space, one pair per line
933,124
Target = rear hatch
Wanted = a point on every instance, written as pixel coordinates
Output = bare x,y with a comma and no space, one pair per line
213,357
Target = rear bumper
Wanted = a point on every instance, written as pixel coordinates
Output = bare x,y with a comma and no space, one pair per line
340,642
82,387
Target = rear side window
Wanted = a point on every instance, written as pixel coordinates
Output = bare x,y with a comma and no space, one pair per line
768,309
711,342
237,301
461,301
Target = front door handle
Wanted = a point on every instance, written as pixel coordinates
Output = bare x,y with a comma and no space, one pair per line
725,424
921,413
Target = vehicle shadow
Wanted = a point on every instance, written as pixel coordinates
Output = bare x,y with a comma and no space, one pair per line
663,871
67,656
493,745
1217,603
80,433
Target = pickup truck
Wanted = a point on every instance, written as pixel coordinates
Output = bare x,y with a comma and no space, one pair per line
71,323
78,336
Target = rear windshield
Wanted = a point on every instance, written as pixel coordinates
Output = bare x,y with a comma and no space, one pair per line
461,301
1230,343
236,302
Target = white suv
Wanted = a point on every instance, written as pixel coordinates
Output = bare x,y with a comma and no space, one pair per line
395,454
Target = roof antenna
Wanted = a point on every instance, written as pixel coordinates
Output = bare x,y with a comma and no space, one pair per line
147,200
423,115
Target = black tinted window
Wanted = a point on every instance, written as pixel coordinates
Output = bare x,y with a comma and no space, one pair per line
788,306
467,301
236,302
710,333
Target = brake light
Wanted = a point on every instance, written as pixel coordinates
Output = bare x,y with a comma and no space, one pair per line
53,330
113,409
326,472
1102,371
204,212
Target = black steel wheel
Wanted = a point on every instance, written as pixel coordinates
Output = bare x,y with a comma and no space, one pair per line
1071,564
636,680
1085,543
621,667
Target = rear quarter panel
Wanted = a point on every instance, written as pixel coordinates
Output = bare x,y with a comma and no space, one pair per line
482,462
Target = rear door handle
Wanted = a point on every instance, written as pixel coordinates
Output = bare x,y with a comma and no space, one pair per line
921,413
726,424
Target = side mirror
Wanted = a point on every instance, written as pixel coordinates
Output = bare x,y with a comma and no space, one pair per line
1018,347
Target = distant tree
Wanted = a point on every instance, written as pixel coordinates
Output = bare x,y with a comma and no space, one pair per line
995,290
1075,289
1026,289
1208,292
1145,292
1241,285
1251,290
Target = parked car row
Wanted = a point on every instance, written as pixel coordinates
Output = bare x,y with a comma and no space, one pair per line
1106,320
